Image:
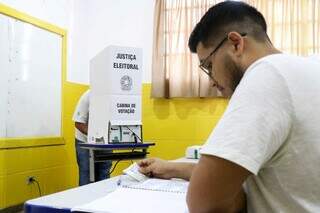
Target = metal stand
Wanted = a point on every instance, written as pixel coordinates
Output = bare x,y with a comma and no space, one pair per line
128,151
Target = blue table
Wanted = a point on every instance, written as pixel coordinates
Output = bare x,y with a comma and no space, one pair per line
63,202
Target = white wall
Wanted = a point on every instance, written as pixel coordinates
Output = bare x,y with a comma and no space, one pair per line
95,24
78,61
112,22
53,11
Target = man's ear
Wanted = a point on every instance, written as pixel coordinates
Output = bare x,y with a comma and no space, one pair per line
237,43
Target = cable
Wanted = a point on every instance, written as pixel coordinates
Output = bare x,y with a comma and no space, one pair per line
39,189
114,167
134,134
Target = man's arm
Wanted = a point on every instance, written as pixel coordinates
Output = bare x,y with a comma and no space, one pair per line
165,169
216,186
82,127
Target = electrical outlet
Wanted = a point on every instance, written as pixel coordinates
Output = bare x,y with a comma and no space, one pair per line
30,179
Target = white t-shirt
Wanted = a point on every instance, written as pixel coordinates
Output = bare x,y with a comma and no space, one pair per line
315,57
271,127
81,114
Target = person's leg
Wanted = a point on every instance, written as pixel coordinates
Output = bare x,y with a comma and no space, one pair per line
83,164
102,170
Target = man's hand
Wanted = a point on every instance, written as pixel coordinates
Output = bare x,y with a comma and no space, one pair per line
155,167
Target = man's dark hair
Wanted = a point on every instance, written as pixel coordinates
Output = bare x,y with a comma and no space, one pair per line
225,17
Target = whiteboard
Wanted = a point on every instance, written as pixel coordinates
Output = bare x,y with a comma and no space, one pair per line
31,80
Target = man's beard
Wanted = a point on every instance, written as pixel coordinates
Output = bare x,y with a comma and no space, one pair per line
235,73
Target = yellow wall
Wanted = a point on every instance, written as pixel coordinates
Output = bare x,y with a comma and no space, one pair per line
175,124
53,166
172,124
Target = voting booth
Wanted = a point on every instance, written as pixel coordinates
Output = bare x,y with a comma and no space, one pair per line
115,97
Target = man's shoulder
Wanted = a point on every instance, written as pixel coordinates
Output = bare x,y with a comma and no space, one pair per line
261,67
276,64
273,60
264,77
284,60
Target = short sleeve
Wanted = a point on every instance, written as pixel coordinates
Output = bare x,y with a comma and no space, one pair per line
256,122
81,113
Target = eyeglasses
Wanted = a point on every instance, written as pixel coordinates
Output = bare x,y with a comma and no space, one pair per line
206,66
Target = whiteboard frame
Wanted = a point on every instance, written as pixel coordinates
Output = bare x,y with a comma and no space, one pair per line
7,143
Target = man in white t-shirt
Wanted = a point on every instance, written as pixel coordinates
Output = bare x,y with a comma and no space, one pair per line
81,118
268,139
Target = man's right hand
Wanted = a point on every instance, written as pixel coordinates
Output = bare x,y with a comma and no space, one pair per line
155,167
